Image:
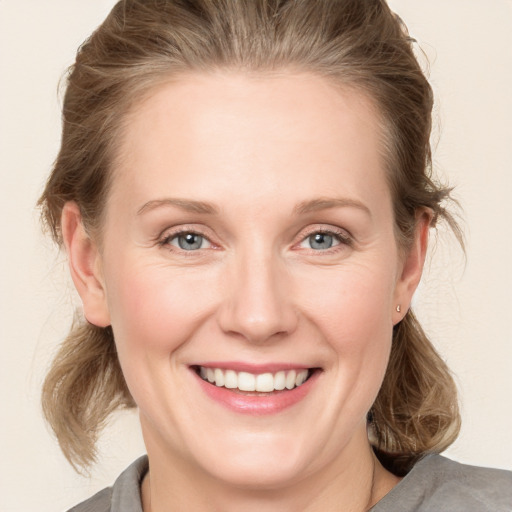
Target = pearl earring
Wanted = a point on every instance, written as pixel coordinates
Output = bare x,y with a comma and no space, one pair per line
398,308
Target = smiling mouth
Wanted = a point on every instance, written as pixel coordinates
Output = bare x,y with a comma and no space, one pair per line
254,384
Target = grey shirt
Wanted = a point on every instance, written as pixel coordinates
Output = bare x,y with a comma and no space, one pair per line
435,484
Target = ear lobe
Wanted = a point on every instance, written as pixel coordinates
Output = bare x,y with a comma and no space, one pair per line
84,265
412,266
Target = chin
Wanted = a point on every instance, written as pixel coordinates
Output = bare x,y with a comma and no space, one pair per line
260,461
258,473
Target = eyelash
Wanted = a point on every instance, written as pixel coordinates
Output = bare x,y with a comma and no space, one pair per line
342,237
168,237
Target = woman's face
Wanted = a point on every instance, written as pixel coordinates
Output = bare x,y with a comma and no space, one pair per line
249,239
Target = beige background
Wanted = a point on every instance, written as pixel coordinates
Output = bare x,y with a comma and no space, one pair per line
467,310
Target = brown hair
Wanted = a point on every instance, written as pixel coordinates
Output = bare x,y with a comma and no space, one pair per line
356,43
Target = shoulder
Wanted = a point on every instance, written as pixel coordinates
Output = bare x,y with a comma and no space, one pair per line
100,502
123,496
442,485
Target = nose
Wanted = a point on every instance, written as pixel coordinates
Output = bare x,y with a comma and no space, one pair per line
257,305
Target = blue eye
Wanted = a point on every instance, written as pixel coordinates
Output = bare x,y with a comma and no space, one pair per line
189,241
321,241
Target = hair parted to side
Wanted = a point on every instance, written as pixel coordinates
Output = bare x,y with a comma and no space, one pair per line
143,43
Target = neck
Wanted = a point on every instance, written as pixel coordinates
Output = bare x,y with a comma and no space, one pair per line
353,484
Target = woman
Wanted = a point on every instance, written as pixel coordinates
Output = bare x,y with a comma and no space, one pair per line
244,193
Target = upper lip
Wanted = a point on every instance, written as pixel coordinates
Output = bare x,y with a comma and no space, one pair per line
256,369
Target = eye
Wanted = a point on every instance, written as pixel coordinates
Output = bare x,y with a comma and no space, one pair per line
324,240
321,241
187,241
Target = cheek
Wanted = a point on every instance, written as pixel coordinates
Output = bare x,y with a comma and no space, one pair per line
352,304
354,314
153,314
153,311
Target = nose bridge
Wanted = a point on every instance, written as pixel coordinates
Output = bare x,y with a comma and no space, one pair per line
257,305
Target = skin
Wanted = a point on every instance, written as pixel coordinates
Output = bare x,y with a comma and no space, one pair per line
257,149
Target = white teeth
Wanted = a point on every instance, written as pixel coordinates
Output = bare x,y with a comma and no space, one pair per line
280,381
230,379
290,379
265,382
262,383
301,378
219,377
246,381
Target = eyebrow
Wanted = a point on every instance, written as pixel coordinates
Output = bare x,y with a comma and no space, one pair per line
203,207
184,204
324,203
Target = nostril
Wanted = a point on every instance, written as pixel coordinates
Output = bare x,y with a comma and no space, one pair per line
256,306
257,330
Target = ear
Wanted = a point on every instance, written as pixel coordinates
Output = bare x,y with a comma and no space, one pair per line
85,266
412,266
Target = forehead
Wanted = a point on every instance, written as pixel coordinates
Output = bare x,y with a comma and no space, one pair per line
251,134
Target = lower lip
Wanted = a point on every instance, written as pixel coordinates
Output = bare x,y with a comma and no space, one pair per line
257,405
